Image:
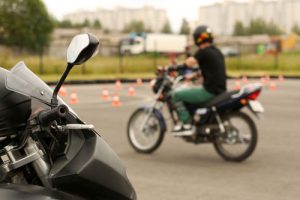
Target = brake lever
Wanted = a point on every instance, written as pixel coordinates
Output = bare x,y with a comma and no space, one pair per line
75,127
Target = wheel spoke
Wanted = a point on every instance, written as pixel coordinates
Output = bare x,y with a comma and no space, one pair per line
239,140
144,130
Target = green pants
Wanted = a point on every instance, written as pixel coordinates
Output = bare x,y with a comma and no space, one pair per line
195,95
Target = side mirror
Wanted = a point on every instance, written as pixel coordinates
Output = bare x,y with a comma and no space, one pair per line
81,48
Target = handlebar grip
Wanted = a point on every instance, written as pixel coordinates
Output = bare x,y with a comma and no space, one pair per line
47,116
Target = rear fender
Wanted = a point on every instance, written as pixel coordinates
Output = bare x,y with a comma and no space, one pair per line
257,114
233,104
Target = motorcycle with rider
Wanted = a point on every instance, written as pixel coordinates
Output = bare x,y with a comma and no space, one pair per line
201,113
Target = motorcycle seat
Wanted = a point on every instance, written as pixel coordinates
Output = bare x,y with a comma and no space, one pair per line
218,99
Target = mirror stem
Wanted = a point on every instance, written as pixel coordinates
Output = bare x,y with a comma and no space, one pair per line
54,101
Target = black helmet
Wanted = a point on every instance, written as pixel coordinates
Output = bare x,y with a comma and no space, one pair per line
203,34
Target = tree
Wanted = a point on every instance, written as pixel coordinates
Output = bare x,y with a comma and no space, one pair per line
25,24
257,26
134,26
86,23
65,24
296,29
166,28
97,24
185,29
273,29
239,29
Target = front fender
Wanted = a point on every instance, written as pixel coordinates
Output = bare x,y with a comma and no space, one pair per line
159,116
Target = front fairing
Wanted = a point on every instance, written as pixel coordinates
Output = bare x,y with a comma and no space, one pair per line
91,169
24,82
15,109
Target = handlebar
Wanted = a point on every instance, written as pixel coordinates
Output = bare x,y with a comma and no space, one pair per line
47,116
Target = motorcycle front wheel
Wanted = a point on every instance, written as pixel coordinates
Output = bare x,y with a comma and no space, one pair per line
144,131
240,137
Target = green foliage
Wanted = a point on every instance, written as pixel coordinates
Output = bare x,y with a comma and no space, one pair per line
273,29
97,24
256,27
135,26
239,29
86,23
65,24
185,29
166,28
25,24
96,65
296,29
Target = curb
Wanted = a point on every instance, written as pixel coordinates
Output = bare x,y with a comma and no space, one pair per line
100,81
110,81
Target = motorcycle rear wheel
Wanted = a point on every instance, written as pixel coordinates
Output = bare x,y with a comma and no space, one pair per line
145,139
240,130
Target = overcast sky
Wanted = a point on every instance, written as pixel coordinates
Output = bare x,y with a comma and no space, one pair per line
176,9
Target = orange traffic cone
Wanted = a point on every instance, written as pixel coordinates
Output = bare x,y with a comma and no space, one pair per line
237,85
62,91
245,79
105,95
272,86
281,78
131,91
267,77
139,82
73,98
263,80
116,101
118,85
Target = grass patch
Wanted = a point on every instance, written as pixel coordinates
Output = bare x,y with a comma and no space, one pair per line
143,66
285,63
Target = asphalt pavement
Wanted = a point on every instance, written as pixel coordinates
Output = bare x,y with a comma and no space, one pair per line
180,170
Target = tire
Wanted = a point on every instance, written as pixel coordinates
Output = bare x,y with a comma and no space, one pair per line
153,129
235,137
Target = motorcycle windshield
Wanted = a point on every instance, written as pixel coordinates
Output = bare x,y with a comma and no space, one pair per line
23,81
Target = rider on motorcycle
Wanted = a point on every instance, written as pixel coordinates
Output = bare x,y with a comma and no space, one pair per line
212,65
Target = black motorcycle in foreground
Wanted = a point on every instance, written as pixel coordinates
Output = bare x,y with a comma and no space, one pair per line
220,121
46,151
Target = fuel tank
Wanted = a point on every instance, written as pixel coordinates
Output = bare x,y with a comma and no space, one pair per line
15,108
